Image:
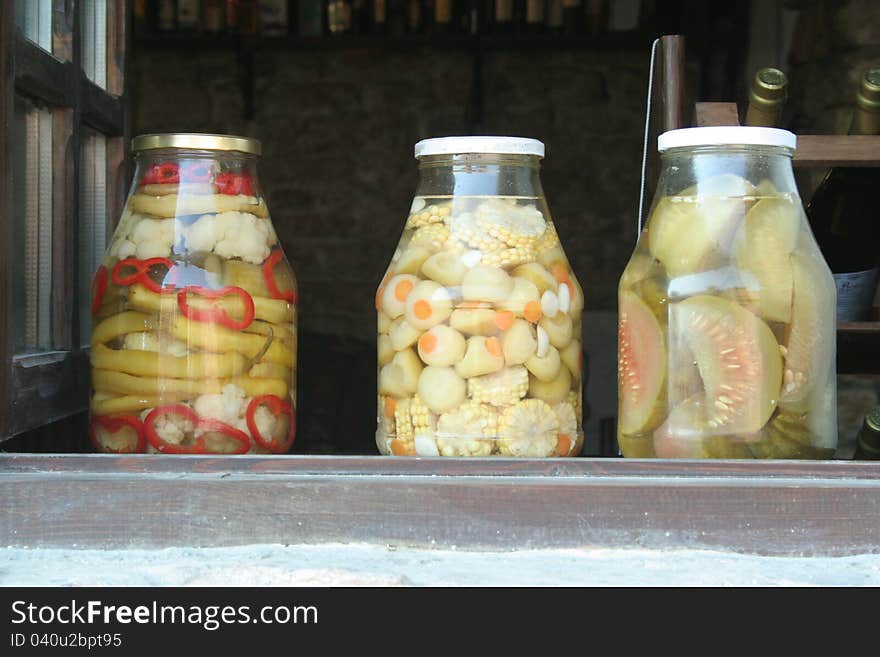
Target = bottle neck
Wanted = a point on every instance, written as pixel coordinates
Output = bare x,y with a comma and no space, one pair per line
865,122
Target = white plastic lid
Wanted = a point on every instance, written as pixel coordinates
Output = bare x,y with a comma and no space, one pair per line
495,145
728,135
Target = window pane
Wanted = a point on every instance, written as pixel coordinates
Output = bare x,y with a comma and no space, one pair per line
92,221
93,43
32,191
34,18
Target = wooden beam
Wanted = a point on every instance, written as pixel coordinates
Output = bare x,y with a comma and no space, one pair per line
717,114
768,507
837,150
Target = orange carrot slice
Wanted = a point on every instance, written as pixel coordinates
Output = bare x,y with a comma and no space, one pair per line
427,343
399,448
532,311
422,309
504,319
390,406
563,444
493,345
560,273
402,290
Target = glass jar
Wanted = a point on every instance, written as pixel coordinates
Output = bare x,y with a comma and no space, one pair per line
194,308
479,347
727,332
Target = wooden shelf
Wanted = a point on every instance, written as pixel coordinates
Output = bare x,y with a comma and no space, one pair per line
629,41
765,507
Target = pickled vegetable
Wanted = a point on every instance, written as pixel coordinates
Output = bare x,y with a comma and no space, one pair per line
726,329
194,342
484,334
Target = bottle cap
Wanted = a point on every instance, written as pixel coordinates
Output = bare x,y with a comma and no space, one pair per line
197,142
492,145
730,135
868,97
769,87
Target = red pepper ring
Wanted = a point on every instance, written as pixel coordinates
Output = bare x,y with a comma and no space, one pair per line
199,424
141,272
215,314
277,406
99,287
112,424
167,173
269,275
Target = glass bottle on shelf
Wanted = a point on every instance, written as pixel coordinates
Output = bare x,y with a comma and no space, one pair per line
843,215
868,439
166,16
726,341
415,19
214,16
479,312
379,16
535,17
310,18
274,18
443,16
188,16
573,20
554,17
767,97
338,17
502,17
193,346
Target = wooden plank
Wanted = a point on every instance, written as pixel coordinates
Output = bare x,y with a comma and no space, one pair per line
7,111
709,114
101,110
42,76
672,81
821,508
837,150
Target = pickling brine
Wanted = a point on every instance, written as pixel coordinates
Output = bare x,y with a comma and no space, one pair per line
479,347
194,309
727,333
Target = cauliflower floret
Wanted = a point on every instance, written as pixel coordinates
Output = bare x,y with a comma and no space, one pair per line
153,238
469,430
149,341
266,421
229,406
202,234
170,427
240,234
528,428
517,226
425,444
232,235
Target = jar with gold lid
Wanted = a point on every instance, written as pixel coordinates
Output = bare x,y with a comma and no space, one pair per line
194,308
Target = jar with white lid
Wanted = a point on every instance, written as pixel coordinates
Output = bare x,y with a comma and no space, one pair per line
479,312
727,334
194,308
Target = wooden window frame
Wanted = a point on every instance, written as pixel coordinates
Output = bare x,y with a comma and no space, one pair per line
36,389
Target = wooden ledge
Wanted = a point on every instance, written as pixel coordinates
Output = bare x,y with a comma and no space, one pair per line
770,507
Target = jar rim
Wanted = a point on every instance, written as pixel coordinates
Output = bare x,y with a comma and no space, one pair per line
197,141
728,135
493,145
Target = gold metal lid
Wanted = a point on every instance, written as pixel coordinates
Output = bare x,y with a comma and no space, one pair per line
769,87
197,141
868,97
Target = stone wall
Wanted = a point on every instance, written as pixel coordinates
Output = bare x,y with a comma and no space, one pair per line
338,130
